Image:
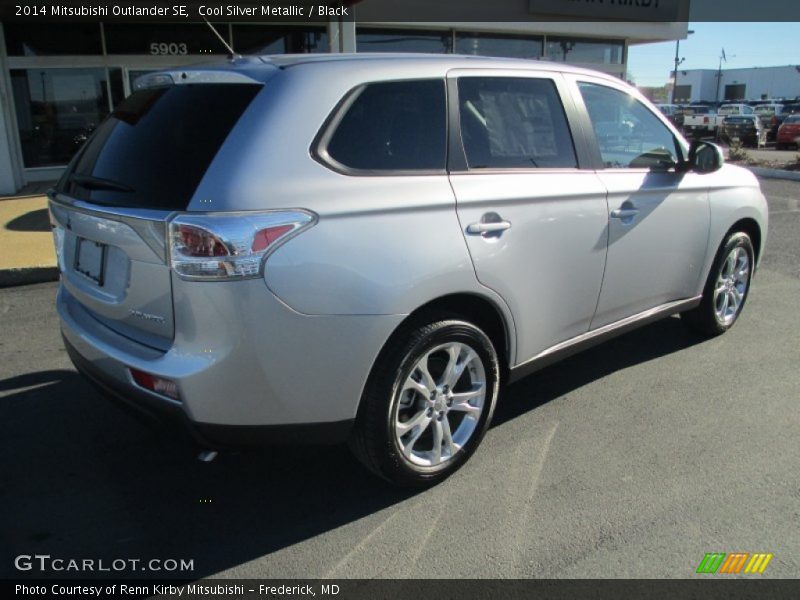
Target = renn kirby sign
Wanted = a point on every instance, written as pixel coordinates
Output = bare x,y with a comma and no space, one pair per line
615,10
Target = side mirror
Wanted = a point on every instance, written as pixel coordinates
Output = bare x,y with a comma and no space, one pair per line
704,157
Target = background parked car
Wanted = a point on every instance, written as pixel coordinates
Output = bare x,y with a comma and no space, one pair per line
777,120
746,130
730,110
788,133
701,121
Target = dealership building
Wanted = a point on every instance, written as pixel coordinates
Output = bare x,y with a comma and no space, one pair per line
58,80
758,83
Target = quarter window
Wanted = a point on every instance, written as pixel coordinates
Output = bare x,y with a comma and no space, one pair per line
393,126
513,123
629,135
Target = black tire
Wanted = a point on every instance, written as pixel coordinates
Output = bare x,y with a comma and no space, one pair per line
705,319
374,440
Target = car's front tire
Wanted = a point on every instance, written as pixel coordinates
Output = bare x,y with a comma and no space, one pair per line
726,288
428,402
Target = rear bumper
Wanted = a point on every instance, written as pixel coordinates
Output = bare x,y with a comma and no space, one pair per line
249,370
170,415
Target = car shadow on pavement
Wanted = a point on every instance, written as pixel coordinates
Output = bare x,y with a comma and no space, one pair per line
82,479
641,345
35,220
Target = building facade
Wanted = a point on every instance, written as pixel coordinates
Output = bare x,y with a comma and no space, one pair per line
59,80
757,83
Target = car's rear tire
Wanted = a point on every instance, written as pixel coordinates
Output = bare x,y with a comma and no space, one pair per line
427,403
726,289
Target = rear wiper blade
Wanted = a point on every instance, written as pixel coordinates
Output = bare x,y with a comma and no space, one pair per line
98,183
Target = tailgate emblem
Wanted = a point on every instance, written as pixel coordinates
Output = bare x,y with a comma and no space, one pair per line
146,316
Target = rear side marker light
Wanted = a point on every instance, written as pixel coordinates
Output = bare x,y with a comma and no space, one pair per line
224,246
154,383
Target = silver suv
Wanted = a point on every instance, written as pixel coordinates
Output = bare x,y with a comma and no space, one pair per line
365,248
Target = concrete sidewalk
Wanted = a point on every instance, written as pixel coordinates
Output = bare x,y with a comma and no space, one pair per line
26,243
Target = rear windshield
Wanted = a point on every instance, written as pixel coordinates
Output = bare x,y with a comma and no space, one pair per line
739,120
153,150
792,120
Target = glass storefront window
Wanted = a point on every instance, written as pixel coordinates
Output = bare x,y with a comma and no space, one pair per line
48,39
488,44
260,39
156,39
57,110
403,40
572,50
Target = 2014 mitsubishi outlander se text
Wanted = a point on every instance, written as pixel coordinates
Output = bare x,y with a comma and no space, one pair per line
365,247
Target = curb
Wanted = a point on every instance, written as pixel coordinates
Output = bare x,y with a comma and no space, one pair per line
27,275
775,173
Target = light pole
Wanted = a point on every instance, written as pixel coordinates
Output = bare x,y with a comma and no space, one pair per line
678,62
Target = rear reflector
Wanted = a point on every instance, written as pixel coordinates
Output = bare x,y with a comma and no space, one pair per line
154,383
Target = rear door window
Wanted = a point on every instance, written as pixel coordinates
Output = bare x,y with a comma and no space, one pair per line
390,126
513,123
154,149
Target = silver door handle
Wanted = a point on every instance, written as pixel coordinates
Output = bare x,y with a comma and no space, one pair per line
493,227
624,213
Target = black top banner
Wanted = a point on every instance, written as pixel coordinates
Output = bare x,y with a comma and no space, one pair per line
387,11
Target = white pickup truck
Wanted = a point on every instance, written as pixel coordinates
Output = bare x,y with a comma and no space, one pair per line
701,121
704,121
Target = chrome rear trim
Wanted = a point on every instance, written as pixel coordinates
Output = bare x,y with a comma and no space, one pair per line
150,225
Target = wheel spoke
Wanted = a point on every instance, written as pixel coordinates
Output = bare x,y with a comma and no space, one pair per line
417,386
729,265
422,367
454,351
408,446
448,437
733,302
436,451
461,401
403,427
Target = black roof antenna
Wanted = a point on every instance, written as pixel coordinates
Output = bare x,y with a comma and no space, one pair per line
233,54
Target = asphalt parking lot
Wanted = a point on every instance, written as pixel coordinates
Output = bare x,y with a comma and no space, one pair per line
633,459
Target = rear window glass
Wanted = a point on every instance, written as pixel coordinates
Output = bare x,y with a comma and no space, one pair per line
393,126
792,120
154,149
740,120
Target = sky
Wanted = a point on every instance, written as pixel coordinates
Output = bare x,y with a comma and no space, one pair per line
745,44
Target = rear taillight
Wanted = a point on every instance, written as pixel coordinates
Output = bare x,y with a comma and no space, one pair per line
154,383
213,246
705,120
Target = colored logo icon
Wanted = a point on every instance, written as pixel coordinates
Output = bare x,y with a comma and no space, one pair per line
734,563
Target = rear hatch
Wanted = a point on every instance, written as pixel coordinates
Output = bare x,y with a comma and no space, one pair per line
110,209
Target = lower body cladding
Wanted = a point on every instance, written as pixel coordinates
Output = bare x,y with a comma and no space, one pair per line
247,368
